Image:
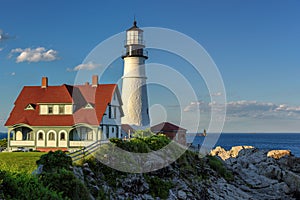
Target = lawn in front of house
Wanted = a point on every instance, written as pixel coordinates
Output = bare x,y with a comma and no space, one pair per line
21,162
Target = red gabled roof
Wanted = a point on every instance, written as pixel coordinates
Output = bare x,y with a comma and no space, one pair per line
166,127
99,96
127,128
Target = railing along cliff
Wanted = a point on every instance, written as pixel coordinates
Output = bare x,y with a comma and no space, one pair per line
87,150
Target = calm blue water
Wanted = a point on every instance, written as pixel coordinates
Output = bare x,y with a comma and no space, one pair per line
290,141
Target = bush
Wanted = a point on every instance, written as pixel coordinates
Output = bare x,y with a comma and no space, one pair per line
24,186
54,161
58,176
142,144
3,143
66,183
218,166
143,133
159,187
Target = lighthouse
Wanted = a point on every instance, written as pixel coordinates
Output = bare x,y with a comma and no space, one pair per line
134,88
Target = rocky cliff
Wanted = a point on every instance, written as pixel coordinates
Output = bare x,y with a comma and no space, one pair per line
243,172
258,174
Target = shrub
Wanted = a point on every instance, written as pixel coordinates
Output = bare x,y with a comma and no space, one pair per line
58,176
142,144
66,183
143,133
3,142
218,166
54,161
158,187
24,186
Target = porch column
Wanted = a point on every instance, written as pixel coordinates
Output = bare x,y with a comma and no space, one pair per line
8,137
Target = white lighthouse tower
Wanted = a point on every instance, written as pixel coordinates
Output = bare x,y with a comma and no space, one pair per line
134,89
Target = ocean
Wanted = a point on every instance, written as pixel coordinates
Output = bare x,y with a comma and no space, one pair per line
268,141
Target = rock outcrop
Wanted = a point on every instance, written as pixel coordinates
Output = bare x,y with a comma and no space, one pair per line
278,153
257,174
232,153
263,174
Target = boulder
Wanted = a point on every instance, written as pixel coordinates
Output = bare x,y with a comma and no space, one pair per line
278,153
232,153
181,195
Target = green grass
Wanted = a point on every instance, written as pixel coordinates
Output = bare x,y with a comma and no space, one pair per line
20,162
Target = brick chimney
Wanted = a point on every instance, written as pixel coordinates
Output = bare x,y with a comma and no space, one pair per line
44,82
95,81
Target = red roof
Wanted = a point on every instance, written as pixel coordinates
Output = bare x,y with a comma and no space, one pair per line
99,97
127,128
166,127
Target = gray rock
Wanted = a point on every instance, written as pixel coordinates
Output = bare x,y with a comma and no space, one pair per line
181,195
147,197
258,174
38,171
78,173
135,183
292,180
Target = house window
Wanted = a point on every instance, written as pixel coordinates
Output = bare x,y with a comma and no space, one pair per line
112,112
62,136
30,136
117,133
61,109
107,131
51,136
90,135
30,107
89,106
41,136
50,109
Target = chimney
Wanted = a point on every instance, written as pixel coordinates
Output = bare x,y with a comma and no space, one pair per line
44,82
95,81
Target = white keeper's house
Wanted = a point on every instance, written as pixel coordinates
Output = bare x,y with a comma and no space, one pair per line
64,117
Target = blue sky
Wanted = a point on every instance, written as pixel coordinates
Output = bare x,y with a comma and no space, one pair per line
255,45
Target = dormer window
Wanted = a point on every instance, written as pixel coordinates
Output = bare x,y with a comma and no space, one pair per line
30,107
56,109
89,106
61,109
50,109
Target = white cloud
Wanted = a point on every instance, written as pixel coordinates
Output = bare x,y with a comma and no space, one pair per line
1,49
196,105
217,94
13,73
250,109
34,55
85,66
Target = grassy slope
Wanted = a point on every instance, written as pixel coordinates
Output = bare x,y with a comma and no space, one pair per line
22,162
